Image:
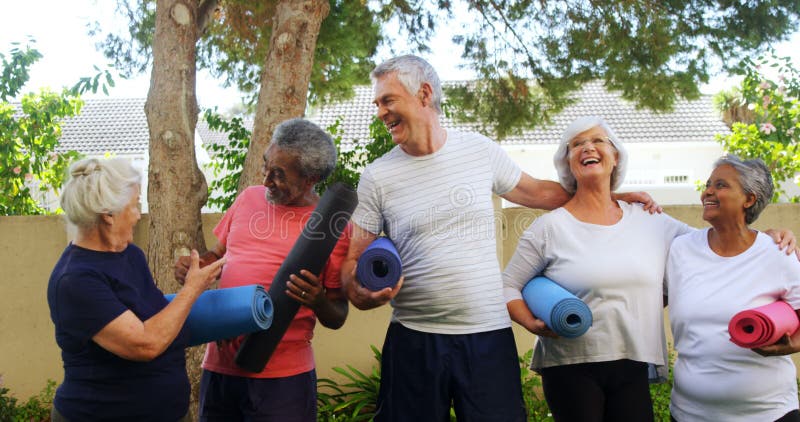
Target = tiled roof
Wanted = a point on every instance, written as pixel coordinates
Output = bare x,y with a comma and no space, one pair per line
116,125
120,125
690,121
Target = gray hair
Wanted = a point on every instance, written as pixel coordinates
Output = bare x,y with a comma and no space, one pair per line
755,178
412,72
98,187
313,147
561,157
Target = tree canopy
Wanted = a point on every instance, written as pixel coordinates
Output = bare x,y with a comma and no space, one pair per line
235,44
529,55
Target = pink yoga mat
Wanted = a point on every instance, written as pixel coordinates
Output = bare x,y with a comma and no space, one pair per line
763,326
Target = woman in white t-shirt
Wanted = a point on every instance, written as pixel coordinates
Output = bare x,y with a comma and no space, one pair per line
611,255
713,274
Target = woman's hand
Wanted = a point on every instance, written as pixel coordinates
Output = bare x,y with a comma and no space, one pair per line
785,239
785,346
202,278
538,327
520,314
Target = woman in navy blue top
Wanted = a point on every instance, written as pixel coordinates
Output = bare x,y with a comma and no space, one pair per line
122,343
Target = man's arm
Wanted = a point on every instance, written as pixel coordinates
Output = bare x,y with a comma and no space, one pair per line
644,198
361,297
536,193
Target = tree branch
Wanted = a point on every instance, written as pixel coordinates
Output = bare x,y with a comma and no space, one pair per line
205,14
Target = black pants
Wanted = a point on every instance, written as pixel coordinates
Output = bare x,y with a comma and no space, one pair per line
601,391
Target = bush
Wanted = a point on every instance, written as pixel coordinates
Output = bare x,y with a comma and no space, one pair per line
353,401
36,409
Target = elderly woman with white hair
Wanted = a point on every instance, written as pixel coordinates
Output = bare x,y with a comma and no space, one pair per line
712,275
611,255
122,343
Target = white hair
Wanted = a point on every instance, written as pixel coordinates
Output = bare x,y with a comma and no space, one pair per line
561,157
412,72
97,187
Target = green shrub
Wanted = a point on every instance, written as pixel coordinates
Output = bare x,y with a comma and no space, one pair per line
353,401
660,394
36,409
535,405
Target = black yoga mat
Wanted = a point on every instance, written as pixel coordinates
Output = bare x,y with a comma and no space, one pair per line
310,252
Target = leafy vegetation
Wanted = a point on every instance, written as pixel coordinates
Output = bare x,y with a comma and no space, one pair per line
228,158
766,119
352,401
29,162
35,409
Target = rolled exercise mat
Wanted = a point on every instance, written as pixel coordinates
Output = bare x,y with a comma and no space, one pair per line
310,252
763,326
379,266
563,313
227,313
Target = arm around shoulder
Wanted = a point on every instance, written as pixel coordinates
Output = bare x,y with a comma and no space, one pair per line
536,193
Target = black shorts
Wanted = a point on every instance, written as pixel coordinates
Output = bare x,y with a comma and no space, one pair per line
423,373
228,398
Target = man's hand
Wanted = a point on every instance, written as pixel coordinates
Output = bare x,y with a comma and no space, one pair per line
644,198
306,289
363,298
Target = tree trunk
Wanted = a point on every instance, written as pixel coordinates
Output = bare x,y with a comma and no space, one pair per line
285,76
177,189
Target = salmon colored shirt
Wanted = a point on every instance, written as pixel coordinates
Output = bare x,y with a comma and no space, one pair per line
258,236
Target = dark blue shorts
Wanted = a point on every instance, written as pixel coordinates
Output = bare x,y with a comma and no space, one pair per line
423,373
227,398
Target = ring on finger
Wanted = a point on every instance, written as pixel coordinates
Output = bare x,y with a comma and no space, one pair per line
303,294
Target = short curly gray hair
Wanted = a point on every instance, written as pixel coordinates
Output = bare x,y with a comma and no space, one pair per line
755,178
312,146
97,187
412,72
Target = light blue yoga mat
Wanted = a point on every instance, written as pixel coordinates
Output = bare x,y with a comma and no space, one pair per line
563,313
379,266
227,313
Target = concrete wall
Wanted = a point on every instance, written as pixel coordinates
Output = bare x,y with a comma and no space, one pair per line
30,246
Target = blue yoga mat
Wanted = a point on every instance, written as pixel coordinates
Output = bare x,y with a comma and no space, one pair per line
227,313
563,313
379,266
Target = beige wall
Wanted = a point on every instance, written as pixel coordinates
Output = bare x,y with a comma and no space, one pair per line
30,246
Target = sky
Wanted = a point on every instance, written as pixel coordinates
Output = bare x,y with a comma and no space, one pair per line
60,30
